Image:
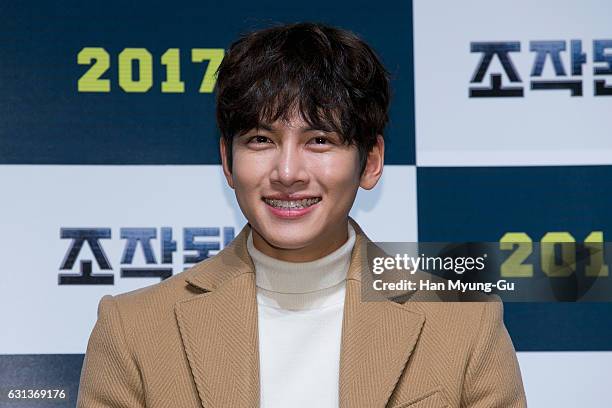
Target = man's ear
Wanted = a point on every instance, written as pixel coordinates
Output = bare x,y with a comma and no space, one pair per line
226,170
374,165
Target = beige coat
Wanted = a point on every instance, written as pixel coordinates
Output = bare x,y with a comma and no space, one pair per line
192,341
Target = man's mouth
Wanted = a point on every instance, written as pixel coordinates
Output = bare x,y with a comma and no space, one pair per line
292,204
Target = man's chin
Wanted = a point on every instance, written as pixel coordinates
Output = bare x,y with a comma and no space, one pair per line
286,241
286,236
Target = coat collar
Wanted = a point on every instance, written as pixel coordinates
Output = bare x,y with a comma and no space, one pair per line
220,332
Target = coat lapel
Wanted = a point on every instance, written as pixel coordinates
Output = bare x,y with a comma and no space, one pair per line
219,328
377,338
220,333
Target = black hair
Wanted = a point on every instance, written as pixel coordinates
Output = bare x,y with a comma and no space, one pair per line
330,76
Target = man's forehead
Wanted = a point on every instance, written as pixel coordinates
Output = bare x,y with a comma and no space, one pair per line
293,117
294,124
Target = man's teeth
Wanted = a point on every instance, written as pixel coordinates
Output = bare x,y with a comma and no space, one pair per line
307,202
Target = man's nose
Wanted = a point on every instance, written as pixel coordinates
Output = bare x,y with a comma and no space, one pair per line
289,167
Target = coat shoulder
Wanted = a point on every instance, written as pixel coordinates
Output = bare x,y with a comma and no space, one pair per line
464,317
154,304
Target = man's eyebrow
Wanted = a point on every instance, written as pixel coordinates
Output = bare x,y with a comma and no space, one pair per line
270,128
264,126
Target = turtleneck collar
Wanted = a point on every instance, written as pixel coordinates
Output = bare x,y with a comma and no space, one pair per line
304,282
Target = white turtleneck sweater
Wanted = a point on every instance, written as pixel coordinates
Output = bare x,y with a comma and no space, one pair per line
300,309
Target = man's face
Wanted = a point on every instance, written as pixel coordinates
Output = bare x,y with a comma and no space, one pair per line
296,186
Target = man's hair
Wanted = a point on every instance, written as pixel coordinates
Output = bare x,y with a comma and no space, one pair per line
329,76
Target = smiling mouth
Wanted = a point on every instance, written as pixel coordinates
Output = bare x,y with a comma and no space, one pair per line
292,204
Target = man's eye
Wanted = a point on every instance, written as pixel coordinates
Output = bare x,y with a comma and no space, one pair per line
259,139
320,140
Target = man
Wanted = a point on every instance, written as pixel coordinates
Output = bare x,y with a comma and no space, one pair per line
276,318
